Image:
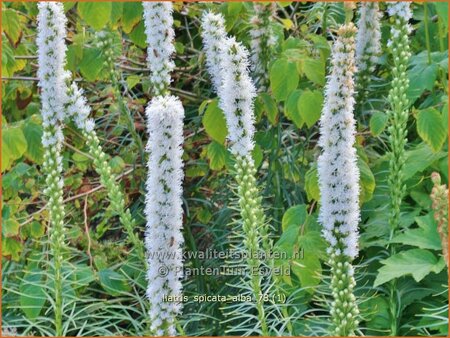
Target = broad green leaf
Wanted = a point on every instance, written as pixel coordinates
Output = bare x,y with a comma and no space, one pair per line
92,62
376,310
116,12
420,158
442,12
312,184
14,145
314,71
270,107
8,61
310,106
33,134
424,237
11,247
113,282
283,79
217,155
32,295
378,123
138,36
294,215
234,8
96,14
214,122
197,170
11,24
257,155
415,262
287,242
430,126
82,275
308,269
366,181
10,227
421,78
313,242
68,5
132,14
117,164
37,229
81,161
291,108
133,80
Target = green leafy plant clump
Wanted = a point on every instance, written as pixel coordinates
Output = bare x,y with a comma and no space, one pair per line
224,168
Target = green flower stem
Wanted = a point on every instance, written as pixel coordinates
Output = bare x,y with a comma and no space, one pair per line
253,221
397,133
55,205
108,180
344,310
398,118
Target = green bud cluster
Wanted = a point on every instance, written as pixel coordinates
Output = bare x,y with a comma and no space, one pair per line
52,168
115,195
439,198
344,310
254,225
398,117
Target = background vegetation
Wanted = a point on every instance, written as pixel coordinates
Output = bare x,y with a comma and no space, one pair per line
105,285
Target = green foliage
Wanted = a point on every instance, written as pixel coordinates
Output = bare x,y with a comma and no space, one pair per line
283,78
103,279
430,126
415,262
96,14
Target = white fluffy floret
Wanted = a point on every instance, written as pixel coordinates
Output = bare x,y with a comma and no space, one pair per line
368,46
228,66
78,109
337,164
401,9
163,209
236,97
160,34
51,73
213,35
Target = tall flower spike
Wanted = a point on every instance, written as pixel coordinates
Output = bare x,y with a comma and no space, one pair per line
78,109
164,211
339,181
213,35
227,62
236,97
52,77
160,34
163,204
398,113
262,42
368,46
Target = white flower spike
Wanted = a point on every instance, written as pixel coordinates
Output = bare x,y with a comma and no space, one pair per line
339,181
158,22
236,97
164,211
213,35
